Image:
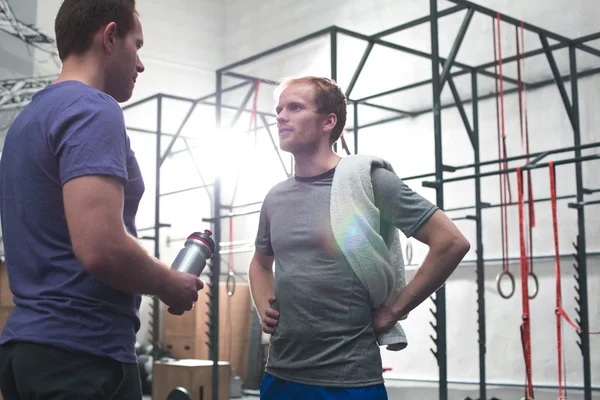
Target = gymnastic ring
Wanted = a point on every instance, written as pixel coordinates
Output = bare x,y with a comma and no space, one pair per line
537,285
409,252
499,281
230,284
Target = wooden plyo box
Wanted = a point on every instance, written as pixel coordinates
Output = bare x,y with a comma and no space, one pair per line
185,336
195,376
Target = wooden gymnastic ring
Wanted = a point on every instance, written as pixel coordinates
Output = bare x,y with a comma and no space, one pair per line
537,285
230,284
499,286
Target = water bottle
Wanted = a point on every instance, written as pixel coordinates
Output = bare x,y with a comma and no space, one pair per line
198,248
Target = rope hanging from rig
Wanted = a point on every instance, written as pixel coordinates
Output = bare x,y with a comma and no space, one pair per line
504,186
526,323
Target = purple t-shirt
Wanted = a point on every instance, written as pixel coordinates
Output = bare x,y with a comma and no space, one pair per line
68,130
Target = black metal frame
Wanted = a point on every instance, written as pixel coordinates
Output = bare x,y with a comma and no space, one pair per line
437,82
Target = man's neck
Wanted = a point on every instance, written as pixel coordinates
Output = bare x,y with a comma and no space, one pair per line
308,165
81,69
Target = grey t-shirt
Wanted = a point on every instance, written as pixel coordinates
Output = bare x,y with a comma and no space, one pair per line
325,334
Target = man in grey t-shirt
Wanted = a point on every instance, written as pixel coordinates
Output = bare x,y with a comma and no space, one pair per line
319,314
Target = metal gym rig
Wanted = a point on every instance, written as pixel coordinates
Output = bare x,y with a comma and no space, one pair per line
437,83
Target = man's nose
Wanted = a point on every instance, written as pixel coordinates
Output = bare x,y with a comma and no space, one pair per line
281,117
140,66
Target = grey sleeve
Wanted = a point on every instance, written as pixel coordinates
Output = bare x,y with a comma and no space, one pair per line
262,242
400,205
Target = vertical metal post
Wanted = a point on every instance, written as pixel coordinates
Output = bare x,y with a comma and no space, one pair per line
479,235
440,296
216,259
581,248
355,131
333,48
155,301
333,55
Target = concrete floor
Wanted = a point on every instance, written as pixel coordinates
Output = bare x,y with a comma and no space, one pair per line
412,391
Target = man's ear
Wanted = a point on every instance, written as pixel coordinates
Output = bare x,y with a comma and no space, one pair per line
109,36
330,122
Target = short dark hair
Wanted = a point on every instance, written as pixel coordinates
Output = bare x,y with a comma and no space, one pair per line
78,20
330,98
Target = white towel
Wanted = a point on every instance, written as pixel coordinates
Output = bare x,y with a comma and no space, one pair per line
355,221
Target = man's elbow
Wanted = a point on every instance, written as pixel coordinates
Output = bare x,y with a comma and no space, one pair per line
92,259
459,246
95,257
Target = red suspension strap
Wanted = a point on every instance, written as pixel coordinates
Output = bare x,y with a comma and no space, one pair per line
522,91
559,311
503,178
525,325
559,330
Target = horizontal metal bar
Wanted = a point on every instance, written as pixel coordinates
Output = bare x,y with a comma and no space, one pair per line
511,170
513,203
584,203
403,88
277,49
228,107
375,123
232,215
413,177
521,157
587,38
177,98
251,78
147,238
149,131
419,21
151,228
227,207
186,190
141,101
380,107
236,243
237,251
227,89
466,217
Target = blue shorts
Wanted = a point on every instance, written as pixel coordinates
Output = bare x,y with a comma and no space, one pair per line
272,388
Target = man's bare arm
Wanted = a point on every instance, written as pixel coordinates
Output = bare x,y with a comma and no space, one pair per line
447,247
94,213
260,277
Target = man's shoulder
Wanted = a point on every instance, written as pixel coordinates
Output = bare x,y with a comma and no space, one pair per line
281,188
74,97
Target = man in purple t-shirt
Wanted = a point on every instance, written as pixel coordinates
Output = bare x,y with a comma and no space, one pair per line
70,187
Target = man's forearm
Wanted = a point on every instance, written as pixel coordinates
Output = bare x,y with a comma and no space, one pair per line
436,268
261,287
126,266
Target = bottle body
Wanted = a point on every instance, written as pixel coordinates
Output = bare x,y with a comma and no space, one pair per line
198,248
